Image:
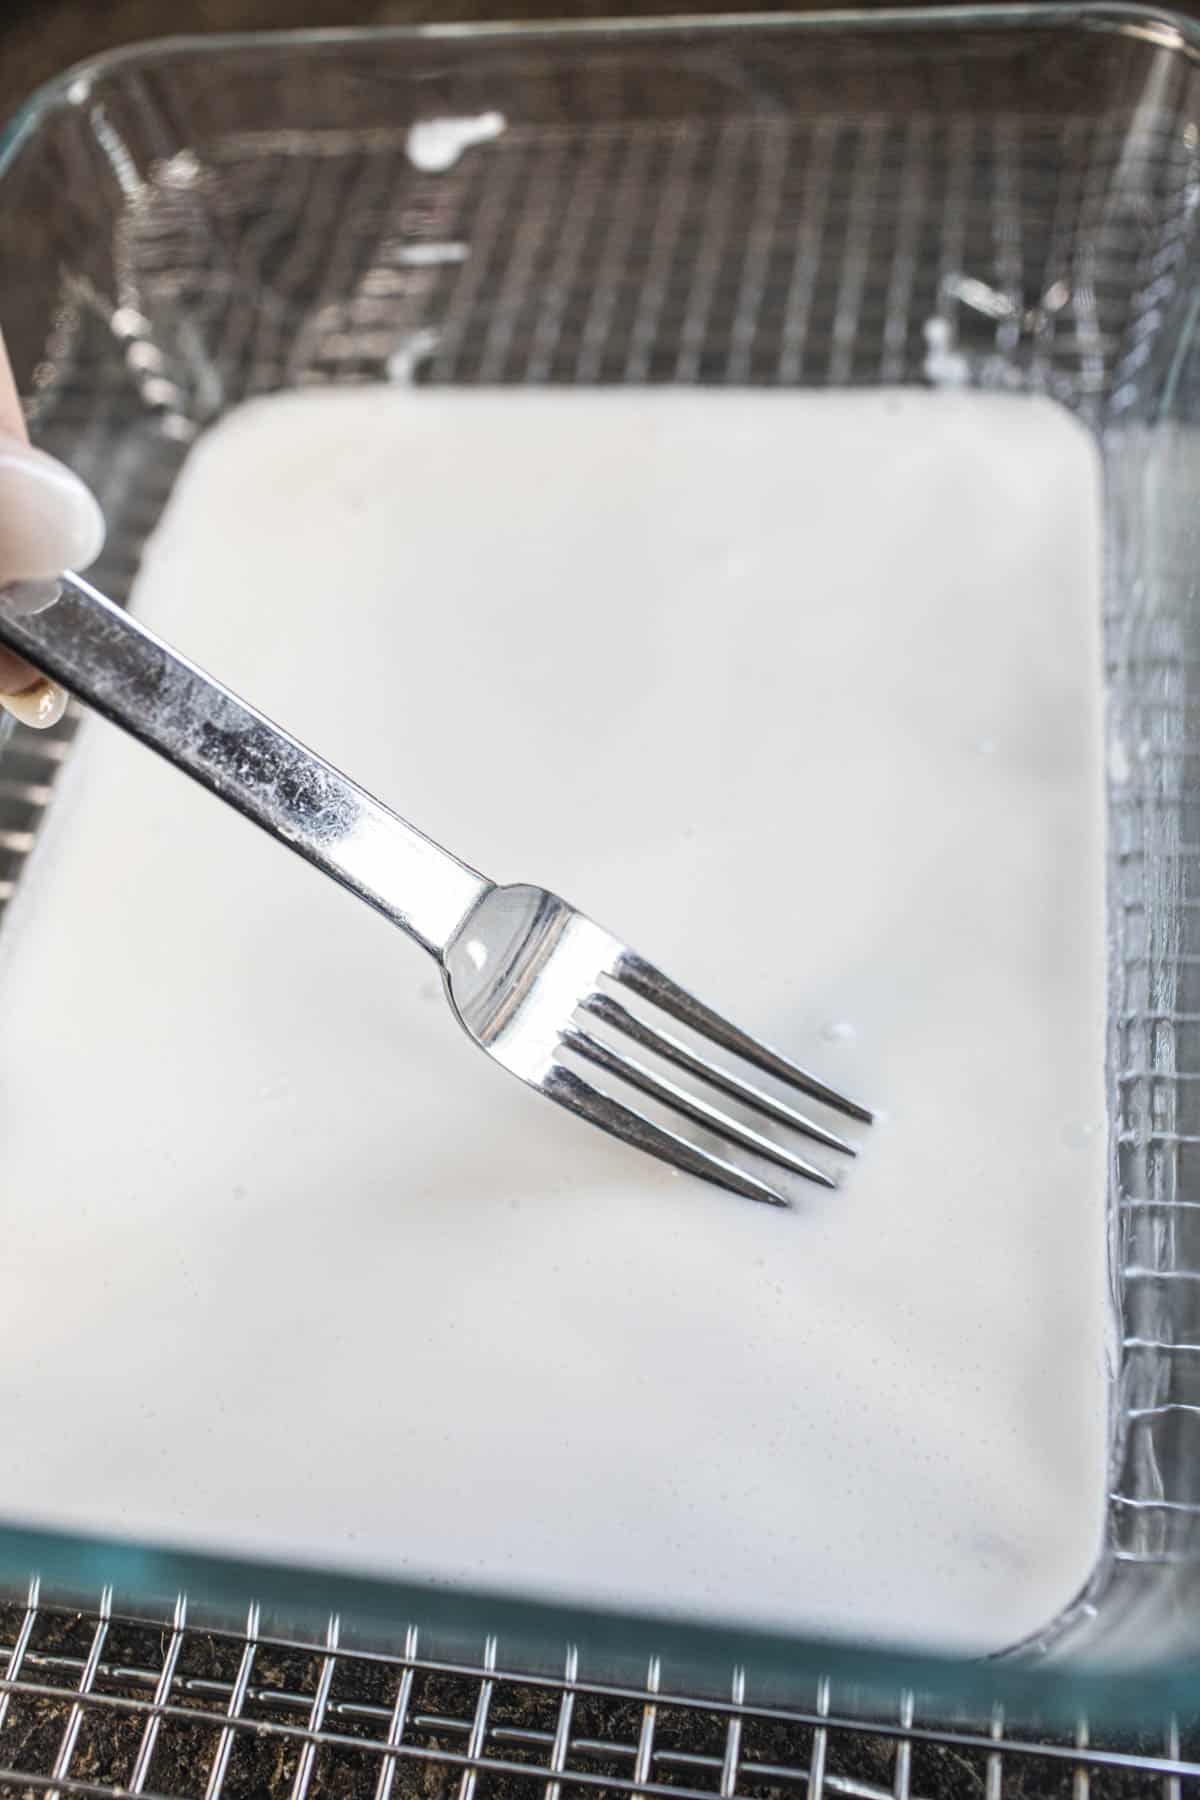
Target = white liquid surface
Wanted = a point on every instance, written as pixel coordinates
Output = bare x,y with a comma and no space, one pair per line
801,695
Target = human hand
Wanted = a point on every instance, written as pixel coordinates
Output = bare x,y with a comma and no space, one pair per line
49,521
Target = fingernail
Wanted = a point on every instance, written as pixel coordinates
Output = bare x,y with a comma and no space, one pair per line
49,521
40,705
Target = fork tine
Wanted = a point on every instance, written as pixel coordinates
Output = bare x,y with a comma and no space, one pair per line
659,1088
644,979
664,1045
570,1090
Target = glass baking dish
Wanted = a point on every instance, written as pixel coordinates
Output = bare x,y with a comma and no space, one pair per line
1007,198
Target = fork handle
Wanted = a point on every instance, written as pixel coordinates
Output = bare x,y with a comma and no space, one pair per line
101,654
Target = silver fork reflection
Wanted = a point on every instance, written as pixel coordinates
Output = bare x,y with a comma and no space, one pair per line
535,983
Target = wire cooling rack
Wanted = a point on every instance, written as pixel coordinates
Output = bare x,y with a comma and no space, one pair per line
98,1703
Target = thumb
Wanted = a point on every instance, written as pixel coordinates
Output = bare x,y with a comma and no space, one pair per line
49,521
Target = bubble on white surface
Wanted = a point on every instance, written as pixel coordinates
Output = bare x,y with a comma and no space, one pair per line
839,1031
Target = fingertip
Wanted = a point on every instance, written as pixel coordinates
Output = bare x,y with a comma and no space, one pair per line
40,705
49,519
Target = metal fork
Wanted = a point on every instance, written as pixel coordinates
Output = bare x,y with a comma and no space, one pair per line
535,983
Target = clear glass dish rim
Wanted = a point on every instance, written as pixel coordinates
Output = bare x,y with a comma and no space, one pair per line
697,1654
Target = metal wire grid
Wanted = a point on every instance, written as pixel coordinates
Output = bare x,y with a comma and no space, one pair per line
743,250
99,1704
